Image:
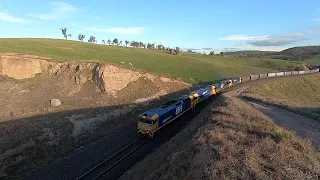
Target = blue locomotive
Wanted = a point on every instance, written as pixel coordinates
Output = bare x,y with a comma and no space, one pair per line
154,119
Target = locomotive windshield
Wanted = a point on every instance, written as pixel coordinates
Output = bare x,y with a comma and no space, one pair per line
145,120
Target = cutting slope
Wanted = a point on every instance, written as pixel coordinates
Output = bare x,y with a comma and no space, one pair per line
191,67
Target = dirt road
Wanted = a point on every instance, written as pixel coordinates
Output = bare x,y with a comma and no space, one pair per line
303,127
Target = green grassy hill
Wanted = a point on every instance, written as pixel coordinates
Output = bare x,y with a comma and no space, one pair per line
298,90
315,61
190,67
300,94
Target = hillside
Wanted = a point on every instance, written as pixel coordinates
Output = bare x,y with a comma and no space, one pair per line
298,94
186,66
315,61
295,53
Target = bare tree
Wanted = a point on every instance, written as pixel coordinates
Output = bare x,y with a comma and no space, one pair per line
64,32
103,41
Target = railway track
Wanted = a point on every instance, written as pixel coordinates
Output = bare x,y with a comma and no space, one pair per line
105,166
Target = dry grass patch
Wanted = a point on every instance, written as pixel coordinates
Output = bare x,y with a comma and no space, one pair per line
245,144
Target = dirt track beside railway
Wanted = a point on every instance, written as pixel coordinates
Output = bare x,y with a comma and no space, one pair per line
304,127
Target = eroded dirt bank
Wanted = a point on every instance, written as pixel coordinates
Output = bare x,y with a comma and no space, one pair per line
92,95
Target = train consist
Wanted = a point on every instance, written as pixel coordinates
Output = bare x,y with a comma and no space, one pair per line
154,119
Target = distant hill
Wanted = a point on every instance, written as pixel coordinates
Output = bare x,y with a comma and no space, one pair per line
294,54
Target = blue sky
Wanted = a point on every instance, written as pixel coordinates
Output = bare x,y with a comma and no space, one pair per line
220,25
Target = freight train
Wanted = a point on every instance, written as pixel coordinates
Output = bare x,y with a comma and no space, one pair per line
154,119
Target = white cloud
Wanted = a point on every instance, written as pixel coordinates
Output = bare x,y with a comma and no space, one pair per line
267,40
120,31
59,10
243,38
12,19
264,48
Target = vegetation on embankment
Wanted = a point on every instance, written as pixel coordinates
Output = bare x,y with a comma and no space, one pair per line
300,94
237,142
191,67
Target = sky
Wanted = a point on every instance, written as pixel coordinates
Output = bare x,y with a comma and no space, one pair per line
220,25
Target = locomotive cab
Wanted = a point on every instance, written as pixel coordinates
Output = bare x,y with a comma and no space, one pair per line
213,91
194,99
230,84
148,126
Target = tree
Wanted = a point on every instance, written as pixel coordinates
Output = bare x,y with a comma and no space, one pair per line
160,47
127,42
170,50
69,36
103,41
120,43
135,44
211,53
81,37
177,50
64,32
140,44
221,53
109,41
92,39
115,41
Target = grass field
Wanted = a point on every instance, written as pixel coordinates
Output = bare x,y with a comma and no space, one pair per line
299,94
314,61
190,67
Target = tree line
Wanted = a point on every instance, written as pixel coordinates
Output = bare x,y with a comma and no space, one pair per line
117,42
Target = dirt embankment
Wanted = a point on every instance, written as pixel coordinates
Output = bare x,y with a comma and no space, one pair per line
91,94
